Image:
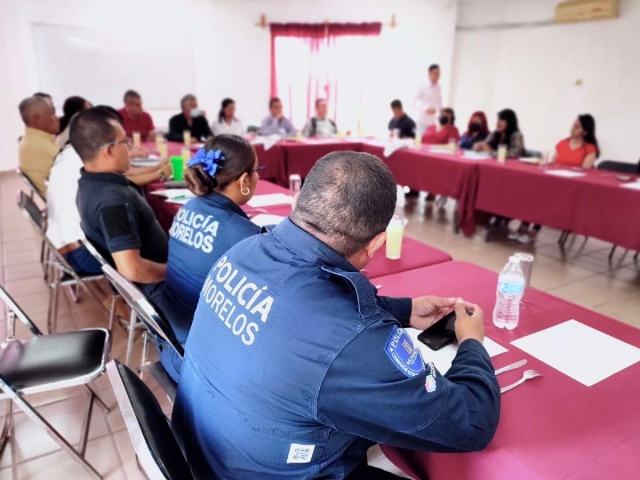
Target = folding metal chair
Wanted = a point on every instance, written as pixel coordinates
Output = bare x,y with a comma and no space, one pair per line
35,193
46,363
58,271
159,455
155,324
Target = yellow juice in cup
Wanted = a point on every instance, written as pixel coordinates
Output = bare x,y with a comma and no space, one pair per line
502,154
136,139
159,141
163,150
186,155
395,232
418,142
186,138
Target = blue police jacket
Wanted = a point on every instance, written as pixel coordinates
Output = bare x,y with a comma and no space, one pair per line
202,231
294,368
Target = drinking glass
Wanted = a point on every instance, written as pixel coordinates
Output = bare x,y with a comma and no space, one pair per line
136,139
395,232
502,153
295,183
186,138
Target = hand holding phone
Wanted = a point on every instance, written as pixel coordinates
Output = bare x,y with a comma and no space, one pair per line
469,324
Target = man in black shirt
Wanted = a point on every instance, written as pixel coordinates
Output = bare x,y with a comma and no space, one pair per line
191,119
401,121
114,215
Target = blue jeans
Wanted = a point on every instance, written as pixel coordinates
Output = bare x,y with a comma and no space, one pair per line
82,262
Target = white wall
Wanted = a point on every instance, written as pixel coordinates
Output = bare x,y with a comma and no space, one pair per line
232,55
534,71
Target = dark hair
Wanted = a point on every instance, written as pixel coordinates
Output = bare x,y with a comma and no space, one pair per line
318,100
511,118
274,100
396,104
72,105
433,66
348,198
484,126
452,113
131,95
91,129
225,103
240,158
588,124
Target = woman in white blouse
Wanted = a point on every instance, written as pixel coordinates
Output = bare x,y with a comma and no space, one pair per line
227,123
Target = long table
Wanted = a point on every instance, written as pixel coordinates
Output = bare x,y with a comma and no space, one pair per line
551,428
594,205
414,254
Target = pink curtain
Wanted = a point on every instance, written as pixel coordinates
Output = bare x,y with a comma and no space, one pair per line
308,58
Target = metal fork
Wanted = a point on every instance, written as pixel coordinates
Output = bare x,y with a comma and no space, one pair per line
527,375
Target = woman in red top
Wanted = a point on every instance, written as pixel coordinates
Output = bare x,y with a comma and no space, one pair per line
581,148
444,131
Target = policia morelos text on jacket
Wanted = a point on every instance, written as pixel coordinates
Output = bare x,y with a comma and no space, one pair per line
295,367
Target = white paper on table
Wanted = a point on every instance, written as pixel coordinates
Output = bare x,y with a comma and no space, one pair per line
443,358
471,155
632,186
439,149
179,201
197,146
565,173
262,220
270,199
395,145
579,351
150,161
268,142
174,193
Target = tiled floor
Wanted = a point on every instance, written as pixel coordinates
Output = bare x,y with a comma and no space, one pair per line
582,275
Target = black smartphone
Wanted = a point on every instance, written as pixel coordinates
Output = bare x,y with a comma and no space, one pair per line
440,333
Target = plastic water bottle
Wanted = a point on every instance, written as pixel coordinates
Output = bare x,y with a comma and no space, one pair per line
506,313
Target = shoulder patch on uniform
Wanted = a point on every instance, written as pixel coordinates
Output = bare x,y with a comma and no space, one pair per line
403,354
116,221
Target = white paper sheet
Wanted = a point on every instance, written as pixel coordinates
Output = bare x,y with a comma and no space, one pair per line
531,160
262,220
579,351
565,173
395,145
268,142
443,358
174,193
632,186
270,199
197,146
471,155
152,161
179,201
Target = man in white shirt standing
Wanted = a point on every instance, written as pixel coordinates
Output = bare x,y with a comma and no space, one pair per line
429,101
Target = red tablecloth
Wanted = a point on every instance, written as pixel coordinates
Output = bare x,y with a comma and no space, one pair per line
551,428
450,175
300,157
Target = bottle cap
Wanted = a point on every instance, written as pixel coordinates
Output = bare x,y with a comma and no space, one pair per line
514,259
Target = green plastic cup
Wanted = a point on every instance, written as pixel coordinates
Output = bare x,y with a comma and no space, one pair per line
177,164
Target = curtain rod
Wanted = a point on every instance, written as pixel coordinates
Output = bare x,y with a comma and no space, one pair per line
264,24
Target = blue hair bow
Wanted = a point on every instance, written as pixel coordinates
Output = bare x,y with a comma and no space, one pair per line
209,160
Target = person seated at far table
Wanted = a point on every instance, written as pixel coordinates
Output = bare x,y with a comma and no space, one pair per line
38,148
192,119
276,121
581,148
444,131
401,122
321,125
114,214
224,176
63,219
135,119
292,350
477,131
72,105
507,133
227,123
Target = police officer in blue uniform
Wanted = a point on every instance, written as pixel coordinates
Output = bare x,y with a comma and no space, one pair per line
294,366
224,176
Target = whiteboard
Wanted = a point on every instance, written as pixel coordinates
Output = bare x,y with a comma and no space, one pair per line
100,65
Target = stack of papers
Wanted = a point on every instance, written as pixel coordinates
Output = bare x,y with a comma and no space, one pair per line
174,193
443,358
268,142
263,220
395,145
565,173
271,199
471,155
579,351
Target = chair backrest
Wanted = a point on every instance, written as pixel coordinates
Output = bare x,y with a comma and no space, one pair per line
94,252
157,449
31,185
13,307
620,167
143,308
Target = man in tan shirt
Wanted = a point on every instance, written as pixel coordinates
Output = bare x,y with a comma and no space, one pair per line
38,148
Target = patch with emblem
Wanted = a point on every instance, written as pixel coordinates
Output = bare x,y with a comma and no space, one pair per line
430,382
403,354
